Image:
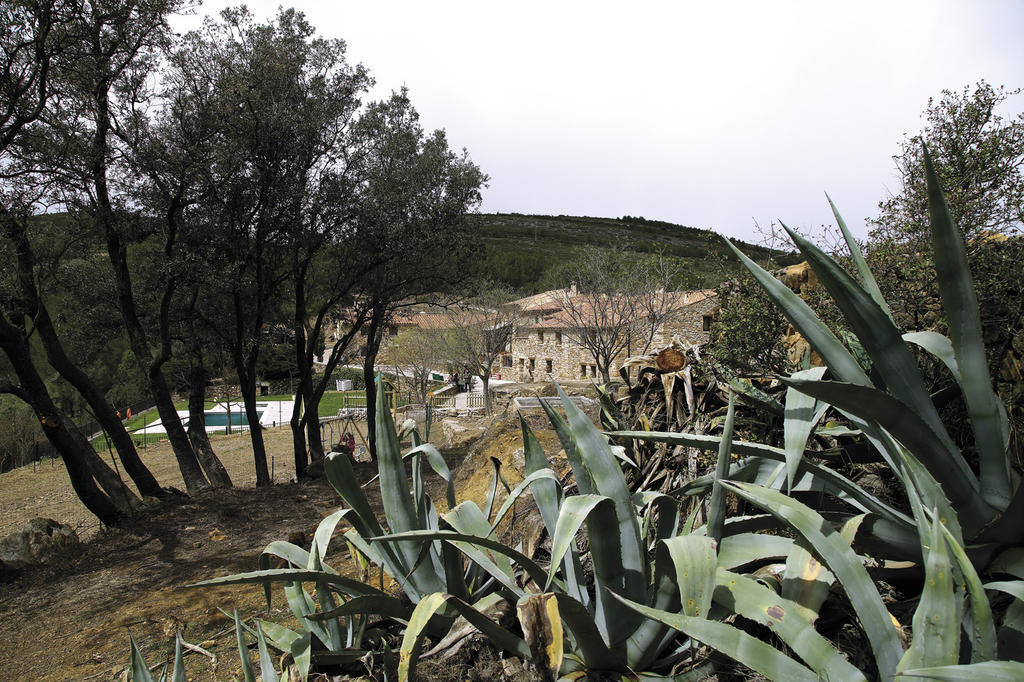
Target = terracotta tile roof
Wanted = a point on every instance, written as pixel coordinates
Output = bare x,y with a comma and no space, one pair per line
560,319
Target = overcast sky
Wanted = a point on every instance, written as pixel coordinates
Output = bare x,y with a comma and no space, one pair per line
711,114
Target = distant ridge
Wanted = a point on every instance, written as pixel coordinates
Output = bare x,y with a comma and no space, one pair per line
524,250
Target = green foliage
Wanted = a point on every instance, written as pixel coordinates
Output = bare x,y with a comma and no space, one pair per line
526,252
749,328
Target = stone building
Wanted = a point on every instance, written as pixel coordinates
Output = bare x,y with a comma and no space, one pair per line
543,348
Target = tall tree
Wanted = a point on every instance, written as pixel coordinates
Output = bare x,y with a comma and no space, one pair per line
413,210
979,157
33,36
102,74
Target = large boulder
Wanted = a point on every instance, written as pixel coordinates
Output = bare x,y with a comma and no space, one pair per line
39,541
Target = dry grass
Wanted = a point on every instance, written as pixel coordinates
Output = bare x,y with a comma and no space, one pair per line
44,489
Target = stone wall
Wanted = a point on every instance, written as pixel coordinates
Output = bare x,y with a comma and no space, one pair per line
692,323
550,355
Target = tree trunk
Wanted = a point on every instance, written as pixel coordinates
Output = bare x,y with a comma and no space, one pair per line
144,480
82,481
188,463
74,451
311,419
117,251
485,378
298,436
212,466
246,368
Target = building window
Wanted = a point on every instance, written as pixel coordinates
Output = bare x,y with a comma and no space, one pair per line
549,366
583,371
533,364
540,336
558,338
707,323
593,370
506,360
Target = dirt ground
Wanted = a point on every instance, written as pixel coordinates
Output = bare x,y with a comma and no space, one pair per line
70,620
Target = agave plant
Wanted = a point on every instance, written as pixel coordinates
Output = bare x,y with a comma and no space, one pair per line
961,516
140,671
653,575
349,617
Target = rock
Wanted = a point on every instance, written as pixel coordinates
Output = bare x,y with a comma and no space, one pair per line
37,542
457,436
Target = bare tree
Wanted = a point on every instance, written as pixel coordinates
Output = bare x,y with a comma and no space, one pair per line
480,330
618,303
418,353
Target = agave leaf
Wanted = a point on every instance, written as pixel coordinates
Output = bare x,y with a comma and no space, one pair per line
936,630
982,634
802,413
436,461
620,561
343,479
280,637
287,575
542,629
399,509
843,563
469,544
293,554
301,604
518,491
468,519
716,508
937,345
387,606
867,279
493,492
650,639
1010,562
140,671
178,674
575,510
1014,588
325,531
695,562
752,600
267,672
753,395
707,443
589,642
732,642
425,610
548,496
989,671
301,651
961,307
326,600
668,511
904,423
1010,641
806,581
584,482
880,338
243,651
796,310
744,548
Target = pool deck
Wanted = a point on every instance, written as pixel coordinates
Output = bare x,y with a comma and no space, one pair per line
273,413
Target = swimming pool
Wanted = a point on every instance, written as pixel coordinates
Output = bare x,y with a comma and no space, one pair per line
221,418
